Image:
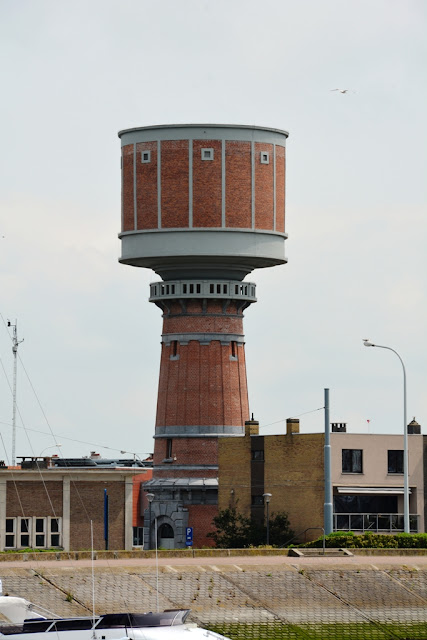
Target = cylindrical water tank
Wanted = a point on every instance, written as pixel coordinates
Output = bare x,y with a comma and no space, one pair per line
205,201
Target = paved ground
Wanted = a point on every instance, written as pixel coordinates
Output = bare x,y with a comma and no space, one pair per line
244,597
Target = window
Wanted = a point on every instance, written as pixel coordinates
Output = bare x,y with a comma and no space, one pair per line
207,154
352,461
138,536
264,157
55,532
33,533
39,535
10,533
257,500
258,454
173,353
146,156
24,532
395,461
169,448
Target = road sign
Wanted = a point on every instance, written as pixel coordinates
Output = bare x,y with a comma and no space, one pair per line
189,536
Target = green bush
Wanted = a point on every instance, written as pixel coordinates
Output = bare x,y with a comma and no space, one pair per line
411,540
370,540
235,531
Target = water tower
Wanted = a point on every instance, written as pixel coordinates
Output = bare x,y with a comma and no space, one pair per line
202,205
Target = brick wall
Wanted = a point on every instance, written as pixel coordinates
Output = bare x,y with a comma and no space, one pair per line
234,460
280,188
294,475
175,197
200,518
238,187
86,504
138,500
127,188
188,451
146,186
264,188
207,185
203,387
33,498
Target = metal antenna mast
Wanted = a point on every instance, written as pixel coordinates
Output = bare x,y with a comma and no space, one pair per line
15,344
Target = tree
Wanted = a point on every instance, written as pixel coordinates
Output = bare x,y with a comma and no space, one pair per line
234,531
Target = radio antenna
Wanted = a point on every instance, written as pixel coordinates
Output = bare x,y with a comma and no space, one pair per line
15,344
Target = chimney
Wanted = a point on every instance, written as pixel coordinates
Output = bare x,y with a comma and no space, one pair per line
414,427
339,427
292,426
252,427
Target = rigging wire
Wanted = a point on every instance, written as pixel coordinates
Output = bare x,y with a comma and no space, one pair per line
73,482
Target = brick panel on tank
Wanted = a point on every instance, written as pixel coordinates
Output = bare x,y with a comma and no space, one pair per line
280,187
264,188
146,187
207,185
238,184
174,183
127,188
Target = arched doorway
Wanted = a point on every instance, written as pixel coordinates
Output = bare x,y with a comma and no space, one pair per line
166,537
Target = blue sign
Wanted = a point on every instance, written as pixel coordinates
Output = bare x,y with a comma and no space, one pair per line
189,536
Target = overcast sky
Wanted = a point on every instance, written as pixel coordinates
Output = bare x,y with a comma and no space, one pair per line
74,73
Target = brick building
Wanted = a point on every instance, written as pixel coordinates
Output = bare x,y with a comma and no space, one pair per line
367,477
202,205
43,505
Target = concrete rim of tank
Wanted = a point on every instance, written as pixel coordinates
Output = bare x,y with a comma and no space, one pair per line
201,125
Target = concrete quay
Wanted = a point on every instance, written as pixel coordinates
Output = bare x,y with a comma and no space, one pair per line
243,596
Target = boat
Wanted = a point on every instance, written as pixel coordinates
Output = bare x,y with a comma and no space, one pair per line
19,618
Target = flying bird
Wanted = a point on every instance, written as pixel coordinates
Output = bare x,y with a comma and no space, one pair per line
342,90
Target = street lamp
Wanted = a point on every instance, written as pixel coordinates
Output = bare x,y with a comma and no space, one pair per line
52,446
406,524
150,498
267,497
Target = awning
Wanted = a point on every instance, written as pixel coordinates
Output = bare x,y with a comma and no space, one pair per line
393,491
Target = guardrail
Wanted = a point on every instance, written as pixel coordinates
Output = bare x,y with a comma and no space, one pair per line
376,522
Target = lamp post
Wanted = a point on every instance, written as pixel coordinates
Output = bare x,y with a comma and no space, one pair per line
406,524
267,497
150,498
52,446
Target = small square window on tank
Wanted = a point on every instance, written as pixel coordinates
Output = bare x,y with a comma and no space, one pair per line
265,158
146,156
207,154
